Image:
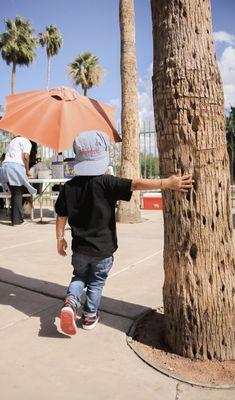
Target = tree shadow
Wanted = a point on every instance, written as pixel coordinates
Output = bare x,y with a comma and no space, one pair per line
5,217
32,286
149,330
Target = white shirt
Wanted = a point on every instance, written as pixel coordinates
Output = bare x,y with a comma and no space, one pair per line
16,149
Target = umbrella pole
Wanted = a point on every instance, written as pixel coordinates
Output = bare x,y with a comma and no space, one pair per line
41,215
41,152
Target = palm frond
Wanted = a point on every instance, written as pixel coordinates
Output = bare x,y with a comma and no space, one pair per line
86,71
52,39
18,43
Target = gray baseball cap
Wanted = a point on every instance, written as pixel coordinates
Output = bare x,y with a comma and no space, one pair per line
91,150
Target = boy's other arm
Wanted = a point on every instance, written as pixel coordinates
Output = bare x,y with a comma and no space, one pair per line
174,182
61,242
26,163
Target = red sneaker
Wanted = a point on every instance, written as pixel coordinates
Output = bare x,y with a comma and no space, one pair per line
89,323
67,320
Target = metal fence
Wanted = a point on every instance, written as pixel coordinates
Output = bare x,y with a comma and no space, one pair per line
148,153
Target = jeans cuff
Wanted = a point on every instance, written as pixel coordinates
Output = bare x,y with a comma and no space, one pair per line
90,314
72,300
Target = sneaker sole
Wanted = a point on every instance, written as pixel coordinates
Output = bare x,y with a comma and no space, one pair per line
67,323
90,327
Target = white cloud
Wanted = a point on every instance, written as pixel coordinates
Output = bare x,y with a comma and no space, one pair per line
226,64
224,37
227,70
146,113
145,98
115,102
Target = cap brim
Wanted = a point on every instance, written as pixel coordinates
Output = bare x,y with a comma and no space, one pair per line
91,168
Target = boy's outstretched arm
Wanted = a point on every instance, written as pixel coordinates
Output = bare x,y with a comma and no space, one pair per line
174,182
61,242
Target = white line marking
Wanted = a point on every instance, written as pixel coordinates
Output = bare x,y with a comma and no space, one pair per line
134,264
23,244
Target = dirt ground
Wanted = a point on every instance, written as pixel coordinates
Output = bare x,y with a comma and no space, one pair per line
148,339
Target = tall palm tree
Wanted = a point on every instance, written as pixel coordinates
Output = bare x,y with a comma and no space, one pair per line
86,71
130,165
53,40
198,248
18,44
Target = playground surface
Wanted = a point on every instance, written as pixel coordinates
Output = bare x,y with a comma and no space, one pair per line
38,361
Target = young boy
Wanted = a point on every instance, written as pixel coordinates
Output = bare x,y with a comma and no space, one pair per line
88,202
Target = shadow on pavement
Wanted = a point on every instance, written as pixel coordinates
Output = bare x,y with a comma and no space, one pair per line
48,217
112,307
4,217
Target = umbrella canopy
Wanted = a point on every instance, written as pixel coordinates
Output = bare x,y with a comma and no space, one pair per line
54,117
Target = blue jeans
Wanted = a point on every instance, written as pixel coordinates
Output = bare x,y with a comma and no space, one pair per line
91,273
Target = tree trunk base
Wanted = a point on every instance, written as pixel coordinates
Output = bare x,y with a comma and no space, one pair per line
128,215
128,212
128,218
149,341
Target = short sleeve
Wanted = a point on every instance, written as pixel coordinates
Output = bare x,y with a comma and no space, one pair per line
26,146
61,204
120,188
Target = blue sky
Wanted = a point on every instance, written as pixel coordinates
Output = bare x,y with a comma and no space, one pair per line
93,25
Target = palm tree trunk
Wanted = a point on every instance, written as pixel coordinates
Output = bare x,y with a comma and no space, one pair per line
48,71
13,74
85,91
129,212
189,115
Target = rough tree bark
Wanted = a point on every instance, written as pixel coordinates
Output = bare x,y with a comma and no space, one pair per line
198,248
130,167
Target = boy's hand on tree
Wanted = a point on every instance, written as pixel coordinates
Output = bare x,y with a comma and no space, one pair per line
179,183
62,247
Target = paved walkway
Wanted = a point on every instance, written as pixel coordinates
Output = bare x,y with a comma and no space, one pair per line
39,362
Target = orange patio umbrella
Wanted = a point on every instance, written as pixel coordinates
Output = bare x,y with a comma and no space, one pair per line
55,117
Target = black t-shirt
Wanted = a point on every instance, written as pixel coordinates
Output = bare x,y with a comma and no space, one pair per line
89,203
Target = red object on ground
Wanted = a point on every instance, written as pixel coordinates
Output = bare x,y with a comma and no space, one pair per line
152,201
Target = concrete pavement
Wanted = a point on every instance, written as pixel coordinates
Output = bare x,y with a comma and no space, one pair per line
37,361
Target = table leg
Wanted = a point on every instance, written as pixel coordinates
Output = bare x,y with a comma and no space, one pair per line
41,212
